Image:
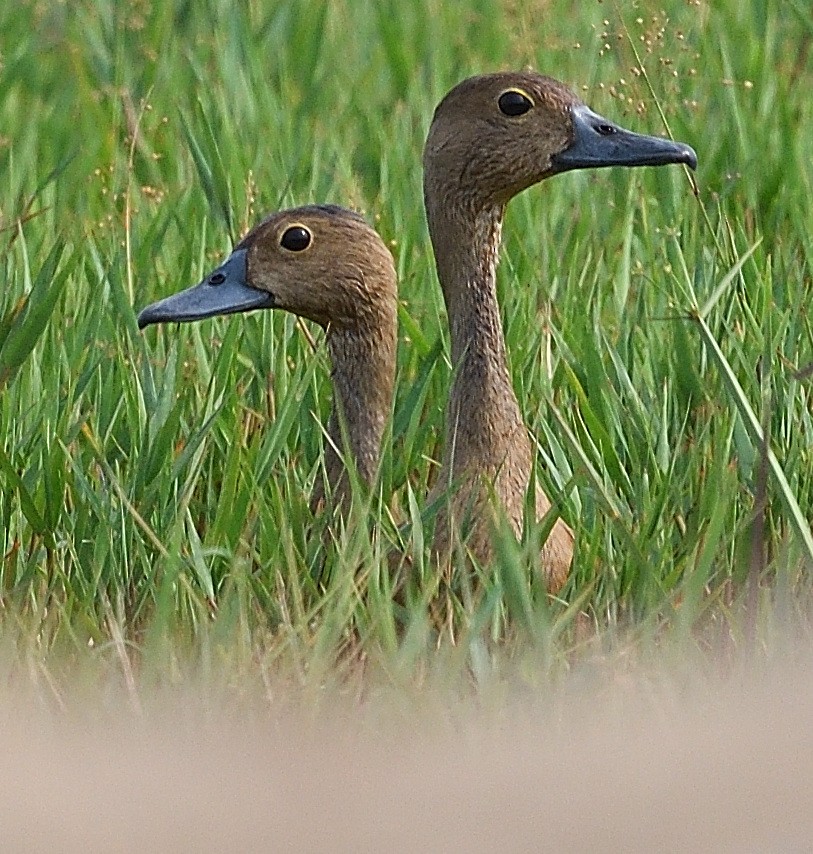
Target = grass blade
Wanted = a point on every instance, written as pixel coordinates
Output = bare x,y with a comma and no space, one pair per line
754,428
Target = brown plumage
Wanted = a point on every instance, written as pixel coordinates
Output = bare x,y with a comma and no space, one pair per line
326,264
491,137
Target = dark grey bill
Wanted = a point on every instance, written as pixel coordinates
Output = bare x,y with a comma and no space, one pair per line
223,292
599,142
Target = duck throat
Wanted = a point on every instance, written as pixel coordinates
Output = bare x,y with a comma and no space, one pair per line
363,382
483,425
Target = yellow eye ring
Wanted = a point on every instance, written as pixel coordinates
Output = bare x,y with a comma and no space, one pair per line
514,102
296,238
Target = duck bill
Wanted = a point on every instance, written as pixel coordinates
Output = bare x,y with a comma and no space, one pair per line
599,142
224,291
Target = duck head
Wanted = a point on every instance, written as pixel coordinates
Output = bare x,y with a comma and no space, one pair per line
495,135
321,262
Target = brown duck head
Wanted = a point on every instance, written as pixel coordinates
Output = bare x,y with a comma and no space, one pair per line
495,135
321,262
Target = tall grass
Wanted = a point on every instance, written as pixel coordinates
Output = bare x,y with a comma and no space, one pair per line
154,487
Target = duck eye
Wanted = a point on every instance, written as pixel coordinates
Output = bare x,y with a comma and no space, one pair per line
606,130
295,239
514,103
217,278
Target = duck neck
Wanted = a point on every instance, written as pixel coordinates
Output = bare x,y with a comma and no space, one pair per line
483,416
363,375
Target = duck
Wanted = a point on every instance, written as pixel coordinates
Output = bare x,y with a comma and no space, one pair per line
491,137
326,264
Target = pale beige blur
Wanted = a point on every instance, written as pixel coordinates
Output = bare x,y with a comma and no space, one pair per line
725,768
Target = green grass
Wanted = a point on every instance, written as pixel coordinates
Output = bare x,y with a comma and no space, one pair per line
154,510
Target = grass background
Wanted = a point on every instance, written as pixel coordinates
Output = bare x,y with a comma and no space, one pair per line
153,516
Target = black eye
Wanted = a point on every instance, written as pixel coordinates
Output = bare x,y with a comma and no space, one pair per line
217,278
295,239
514,103
606,130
